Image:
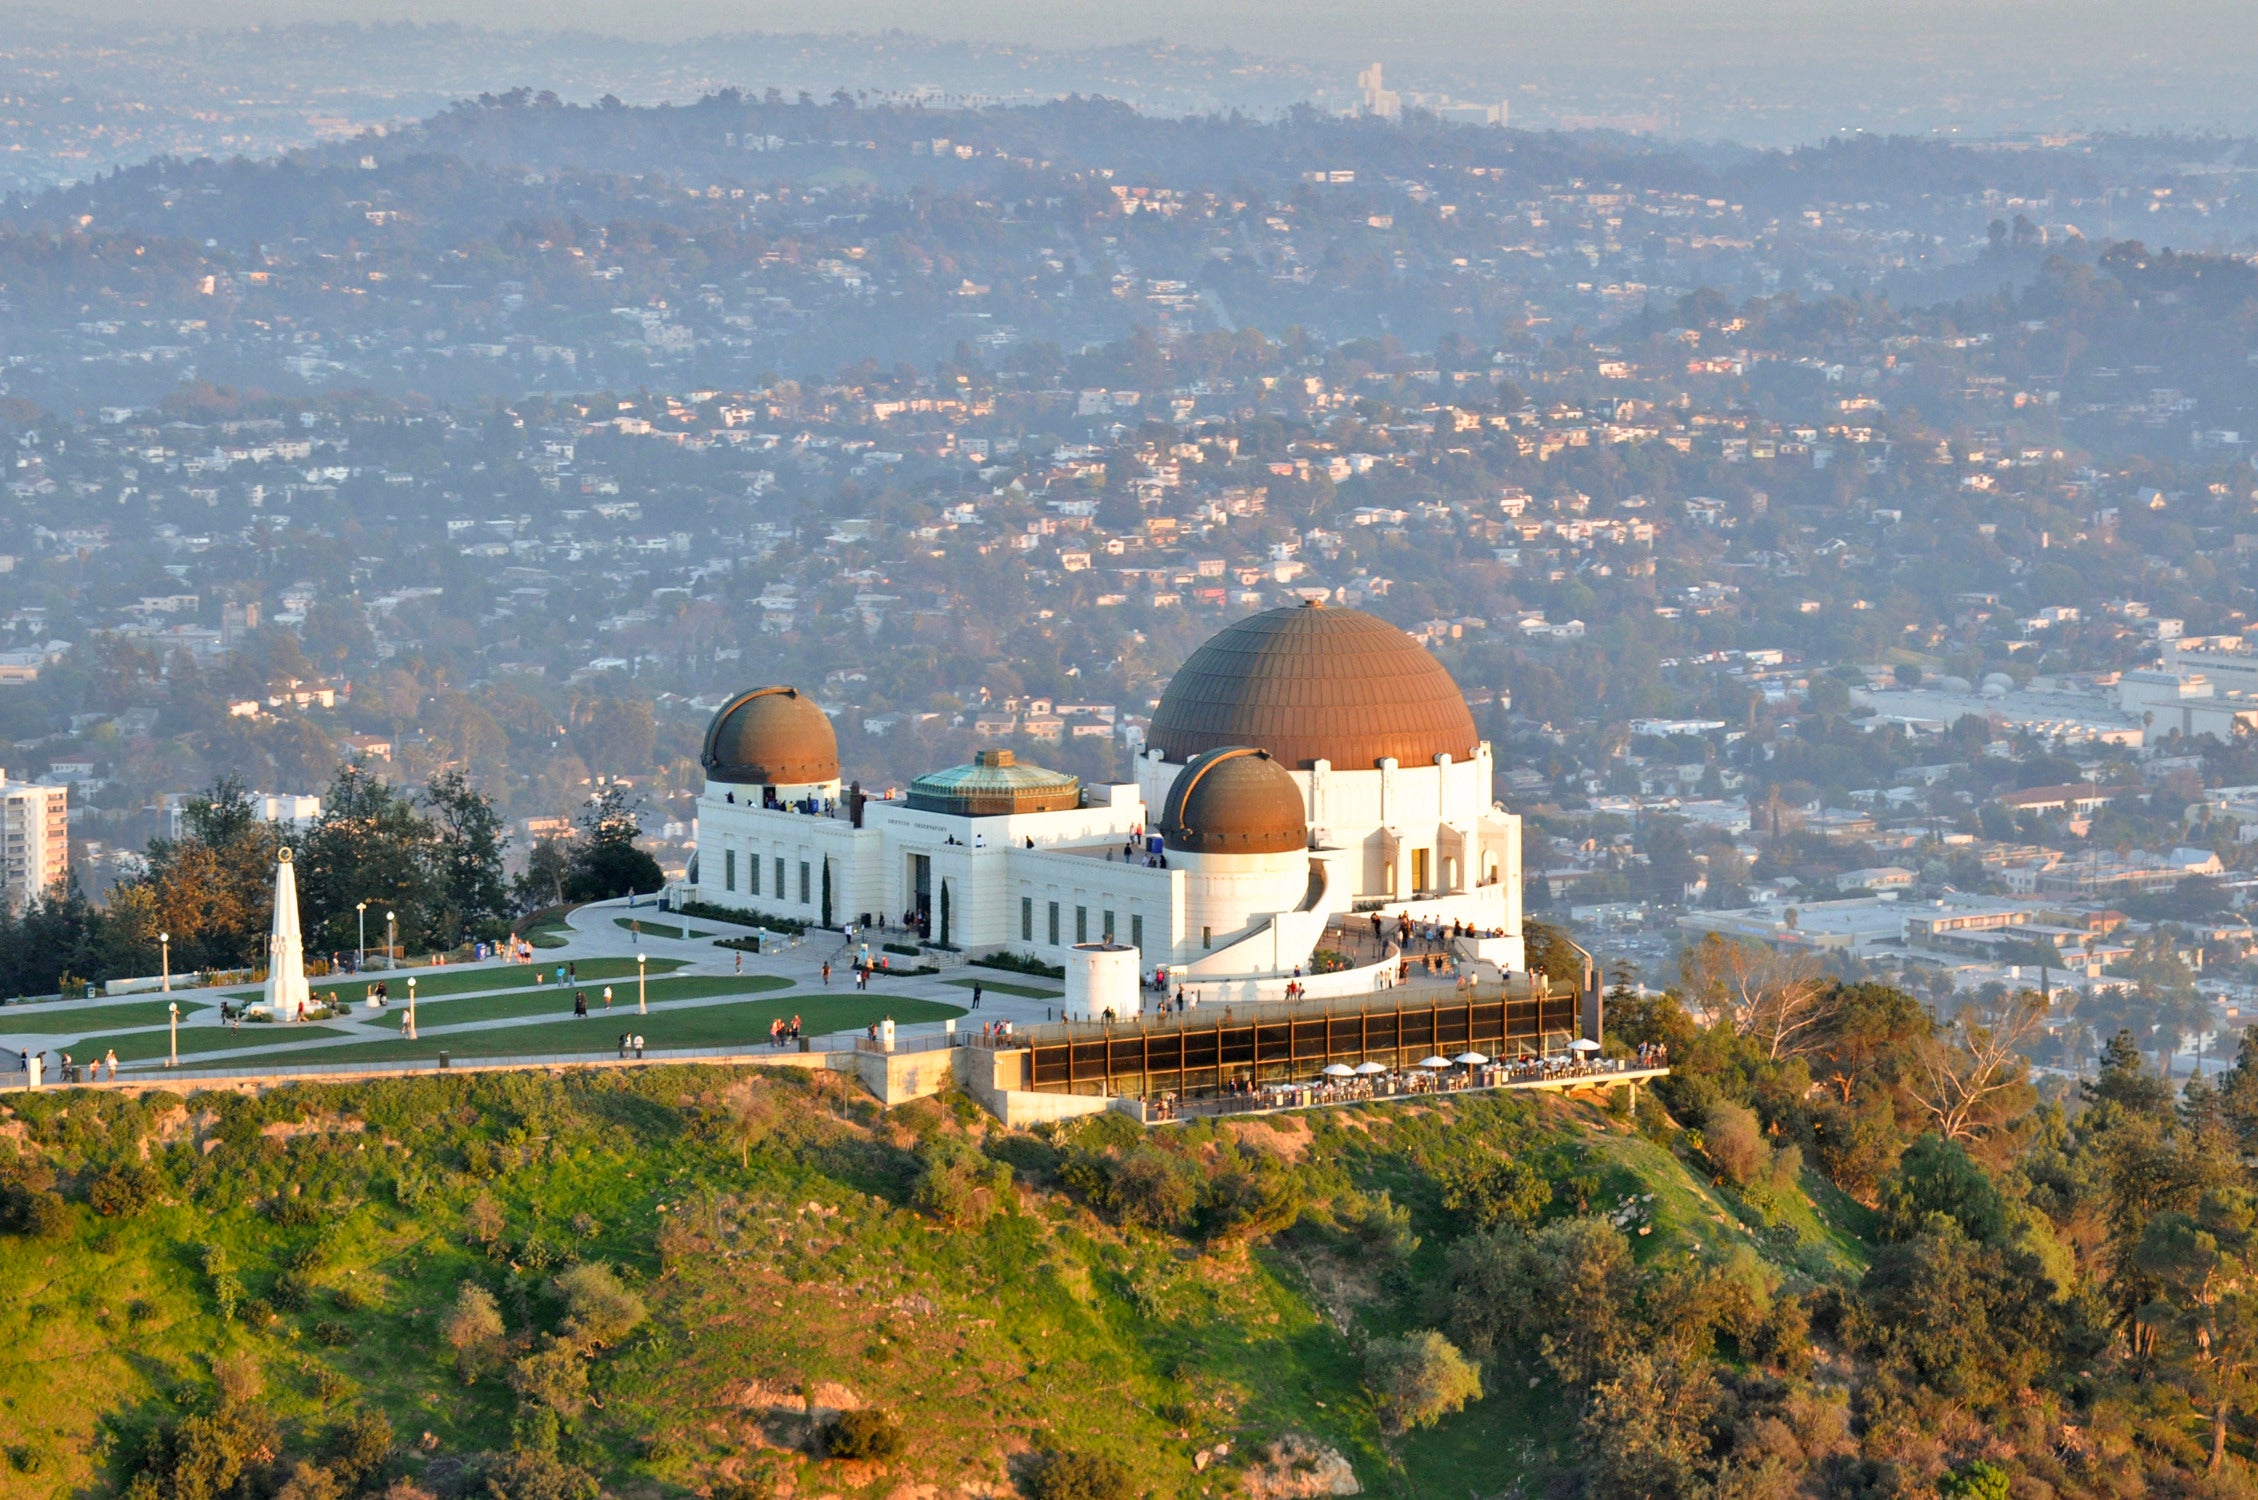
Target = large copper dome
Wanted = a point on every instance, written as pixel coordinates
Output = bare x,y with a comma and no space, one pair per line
1310,684
1234,801
771,736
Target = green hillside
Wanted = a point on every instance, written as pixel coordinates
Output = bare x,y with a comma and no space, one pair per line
190,1284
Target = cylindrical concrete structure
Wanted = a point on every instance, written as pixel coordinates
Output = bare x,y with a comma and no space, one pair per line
1102,978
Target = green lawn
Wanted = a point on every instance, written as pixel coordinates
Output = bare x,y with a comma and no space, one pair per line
705,1026
554,1002
435,984
137,1046
1001,987
89,1017
555,933
658,929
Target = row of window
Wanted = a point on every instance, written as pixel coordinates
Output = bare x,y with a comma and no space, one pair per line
753,876
1106,928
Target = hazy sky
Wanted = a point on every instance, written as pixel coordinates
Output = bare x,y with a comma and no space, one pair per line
2013,33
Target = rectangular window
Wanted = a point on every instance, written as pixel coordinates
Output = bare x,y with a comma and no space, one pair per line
1081,924
1105,925
779,877
753,874
1207,936
1054,924
1027,919
729,869
803,882
1136,931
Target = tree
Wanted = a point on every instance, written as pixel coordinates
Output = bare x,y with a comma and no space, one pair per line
211,889
605,862
1971,1077
369,844
1773,997
1419,1379
2204,1320
548,866
466,854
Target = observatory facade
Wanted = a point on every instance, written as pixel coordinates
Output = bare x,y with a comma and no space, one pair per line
1306,765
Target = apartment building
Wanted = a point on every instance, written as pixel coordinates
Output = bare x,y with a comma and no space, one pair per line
35,839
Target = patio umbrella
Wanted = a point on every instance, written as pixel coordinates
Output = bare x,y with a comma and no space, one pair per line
1434,1062
1367,1069
1472,1059
1339,1070
1583,1044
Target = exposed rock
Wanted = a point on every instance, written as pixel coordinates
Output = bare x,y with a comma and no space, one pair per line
1299,1468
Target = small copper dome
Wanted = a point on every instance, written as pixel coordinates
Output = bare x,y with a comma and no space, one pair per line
771,736
1310,684
1236,800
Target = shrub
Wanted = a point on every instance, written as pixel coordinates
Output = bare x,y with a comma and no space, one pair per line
295,1213
240,1379
1981,1480
25,1459
538,1474
1019,963
1246,1207
867,1434
358,1296
330,1386
293,1291
1081,1476
1154,1188
555,1378
1493,1190
956,1184
123,1190
1419,1379
598,1310
361,1449
40,1216
310,1482
1734,1143
473,1329
333,1333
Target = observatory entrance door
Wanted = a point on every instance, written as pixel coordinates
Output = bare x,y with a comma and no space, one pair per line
921,893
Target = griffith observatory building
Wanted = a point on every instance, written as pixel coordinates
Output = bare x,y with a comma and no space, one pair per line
1308,766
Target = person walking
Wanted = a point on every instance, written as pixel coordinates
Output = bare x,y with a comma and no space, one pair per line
112,1059
607,997
580,1003
638,1044
740,960
827,973
975,994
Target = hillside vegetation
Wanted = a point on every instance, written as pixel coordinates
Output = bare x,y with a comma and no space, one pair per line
676,1280
1848,1251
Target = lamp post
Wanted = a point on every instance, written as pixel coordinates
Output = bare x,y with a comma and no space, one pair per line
360,958
411,1007
164,947
391,938
641,1008
172,1009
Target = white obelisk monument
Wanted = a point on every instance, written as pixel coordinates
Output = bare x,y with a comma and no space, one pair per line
287,993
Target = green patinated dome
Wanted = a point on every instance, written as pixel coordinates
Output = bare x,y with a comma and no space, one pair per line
995,785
